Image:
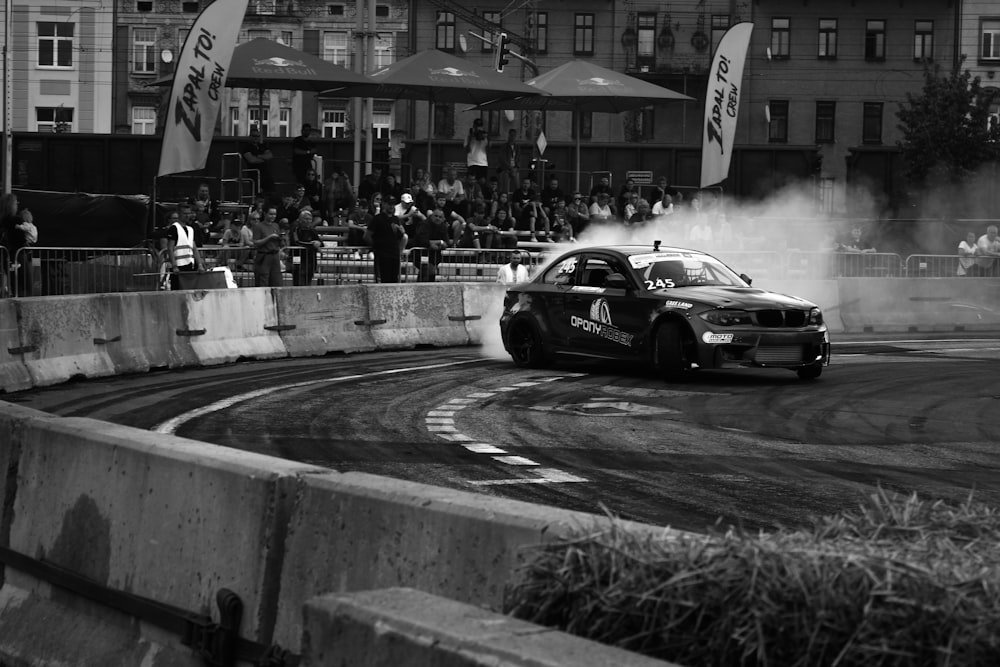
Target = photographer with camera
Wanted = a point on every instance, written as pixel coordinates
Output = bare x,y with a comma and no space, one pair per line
476,146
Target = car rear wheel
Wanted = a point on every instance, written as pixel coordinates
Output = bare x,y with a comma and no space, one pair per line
525,345
810,372
670,359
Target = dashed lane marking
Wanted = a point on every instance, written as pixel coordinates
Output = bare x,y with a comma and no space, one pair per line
440,421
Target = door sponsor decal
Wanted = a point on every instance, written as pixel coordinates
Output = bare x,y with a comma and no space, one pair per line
600,323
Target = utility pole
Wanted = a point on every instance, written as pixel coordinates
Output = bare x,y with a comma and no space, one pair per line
8,98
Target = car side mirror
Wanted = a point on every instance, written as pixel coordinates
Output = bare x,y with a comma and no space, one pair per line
747,279
616,281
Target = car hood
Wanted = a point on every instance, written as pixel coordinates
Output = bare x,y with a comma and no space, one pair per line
746,298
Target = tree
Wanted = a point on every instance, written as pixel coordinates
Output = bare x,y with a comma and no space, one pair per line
946,129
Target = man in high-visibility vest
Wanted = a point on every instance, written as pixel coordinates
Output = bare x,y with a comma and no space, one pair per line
181,247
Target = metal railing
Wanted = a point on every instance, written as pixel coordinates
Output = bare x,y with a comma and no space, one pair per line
49,271
46,271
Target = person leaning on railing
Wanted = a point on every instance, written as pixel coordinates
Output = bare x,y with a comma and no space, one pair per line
988,247
967,251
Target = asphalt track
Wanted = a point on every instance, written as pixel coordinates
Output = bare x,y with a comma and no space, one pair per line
748,447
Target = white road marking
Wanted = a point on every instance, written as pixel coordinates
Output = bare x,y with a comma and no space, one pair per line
174,423
440,421
515,460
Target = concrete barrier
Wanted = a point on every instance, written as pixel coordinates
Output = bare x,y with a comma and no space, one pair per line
157,323
919,304
68,337
409,314
13,373
175,520
409,628
318,320
225,325
824,293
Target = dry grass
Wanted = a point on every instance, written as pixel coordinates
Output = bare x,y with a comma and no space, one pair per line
901,582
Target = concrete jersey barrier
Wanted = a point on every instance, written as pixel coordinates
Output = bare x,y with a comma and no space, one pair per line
176,520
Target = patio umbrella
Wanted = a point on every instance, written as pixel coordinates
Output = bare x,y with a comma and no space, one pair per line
263,64
583,86
437,78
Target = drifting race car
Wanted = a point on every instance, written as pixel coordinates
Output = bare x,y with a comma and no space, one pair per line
676,308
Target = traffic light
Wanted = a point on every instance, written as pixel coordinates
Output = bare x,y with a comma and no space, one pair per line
501,52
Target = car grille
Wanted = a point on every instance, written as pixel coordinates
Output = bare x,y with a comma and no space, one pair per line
779,354
781,318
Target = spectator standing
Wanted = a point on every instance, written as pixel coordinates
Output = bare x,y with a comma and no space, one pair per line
182,250
303,154
625,197
477,144
856,242
305,236
967,251
988,251
203,201
268,242
371,184
510,172
603,187
17,233
514,271
387,239
257,155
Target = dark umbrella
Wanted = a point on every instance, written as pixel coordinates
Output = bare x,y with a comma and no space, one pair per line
438,78
582,86
264,64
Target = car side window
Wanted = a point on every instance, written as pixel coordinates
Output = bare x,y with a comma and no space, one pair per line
595,271
561,273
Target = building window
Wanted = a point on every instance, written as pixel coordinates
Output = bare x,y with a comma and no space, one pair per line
258,118
825,122
144,5
827,38
334,124
261,7
585,126
720,24
335,47
875,39
871,124
444,120
234,121
444,38
55,44
284,121
777,127
382,11
639,125
583,34
990,31
381,124
493,123
335,10
492,17
645,26
385,46
286,38
190,7
143,120
144,50
541,32
781,36
923,40
53,119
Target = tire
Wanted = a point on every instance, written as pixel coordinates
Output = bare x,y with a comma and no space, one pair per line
810,372
670,359
525,345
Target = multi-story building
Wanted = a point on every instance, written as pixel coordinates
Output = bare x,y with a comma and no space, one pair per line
60,66
822,80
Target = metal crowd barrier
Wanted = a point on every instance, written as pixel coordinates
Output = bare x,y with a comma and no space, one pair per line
4,271
950,266
48,271
821,265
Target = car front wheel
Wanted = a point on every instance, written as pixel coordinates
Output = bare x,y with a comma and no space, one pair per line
810,372
525,345
670,360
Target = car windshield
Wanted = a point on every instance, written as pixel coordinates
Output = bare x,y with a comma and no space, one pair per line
662,270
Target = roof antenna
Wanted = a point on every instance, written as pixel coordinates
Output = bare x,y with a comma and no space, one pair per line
656,245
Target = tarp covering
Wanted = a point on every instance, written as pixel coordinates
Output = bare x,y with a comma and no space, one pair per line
81,220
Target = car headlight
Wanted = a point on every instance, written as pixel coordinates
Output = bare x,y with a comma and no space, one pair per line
815,317
726,317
